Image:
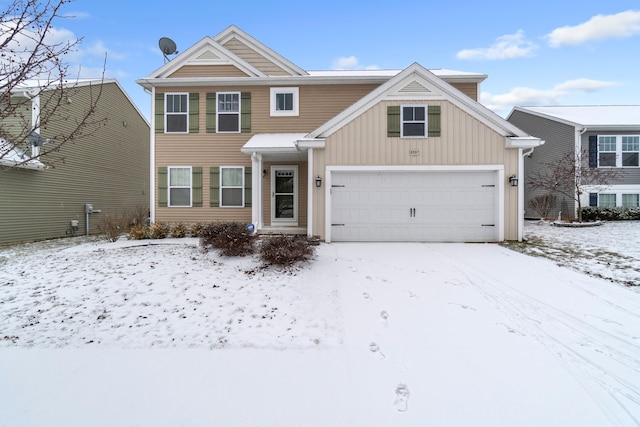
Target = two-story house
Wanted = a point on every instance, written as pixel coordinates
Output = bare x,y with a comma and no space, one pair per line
603,136
240,133
44,193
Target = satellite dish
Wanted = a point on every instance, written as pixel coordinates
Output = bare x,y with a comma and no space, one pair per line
167,46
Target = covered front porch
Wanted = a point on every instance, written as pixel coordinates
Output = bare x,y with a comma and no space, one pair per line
282,182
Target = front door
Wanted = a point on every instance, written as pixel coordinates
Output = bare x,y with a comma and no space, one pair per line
284,195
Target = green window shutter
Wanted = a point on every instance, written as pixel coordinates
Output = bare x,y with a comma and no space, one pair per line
159,113
196,186
393,121
434,120
214,187
194,101
211,112
162,187
247,187
245,112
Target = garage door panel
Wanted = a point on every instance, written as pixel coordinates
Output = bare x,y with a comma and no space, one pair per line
414,206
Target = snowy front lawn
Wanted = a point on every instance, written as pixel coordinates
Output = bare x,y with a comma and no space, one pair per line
159,333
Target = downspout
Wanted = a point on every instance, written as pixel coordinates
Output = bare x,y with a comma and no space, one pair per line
578,152
521,183
152,160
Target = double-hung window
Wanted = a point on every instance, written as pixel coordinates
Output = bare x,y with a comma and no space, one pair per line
284,101
179,185
231,186
228,112
176,112
607,200
413,121
607,151
630,200
630,151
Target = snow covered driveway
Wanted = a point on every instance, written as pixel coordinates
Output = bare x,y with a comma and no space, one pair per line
367,335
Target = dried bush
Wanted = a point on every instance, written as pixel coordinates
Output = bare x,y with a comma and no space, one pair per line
158,230
196,229
139,232
111,226
178,230
543,204
137,216
230,238
286,250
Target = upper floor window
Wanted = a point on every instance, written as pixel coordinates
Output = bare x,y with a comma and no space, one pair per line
228,112
413,121
284,101
179,185
618,151
176,112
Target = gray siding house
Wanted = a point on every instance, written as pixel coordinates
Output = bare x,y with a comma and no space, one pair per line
108,168
606,136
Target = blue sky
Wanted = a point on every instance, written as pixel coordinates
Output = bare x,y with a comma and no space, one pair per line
535,53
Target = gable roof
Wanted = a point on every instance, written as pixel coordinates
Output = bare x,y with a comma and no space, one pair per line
590,117
417,82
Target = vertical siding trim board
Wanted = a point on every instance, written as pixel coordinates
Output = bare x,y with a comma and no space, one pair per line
194,112
162,187
211,112
214,187
159,113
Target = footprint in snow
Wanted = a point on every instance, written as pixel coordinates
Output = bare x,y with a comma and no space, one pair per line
366,296
402,398
463,306
373,348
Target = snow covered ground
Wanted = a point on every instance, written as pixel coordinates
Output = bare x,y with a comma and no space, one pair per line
160,333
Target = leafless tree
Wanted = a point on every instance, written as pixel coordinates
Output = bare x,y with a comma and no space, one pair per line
34,66
570,175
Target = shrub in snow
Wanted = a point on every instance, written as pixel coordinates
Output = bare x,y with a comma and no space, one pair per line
596,213
158,230
178,230
139,232
286,250
111,226
230,238
196,229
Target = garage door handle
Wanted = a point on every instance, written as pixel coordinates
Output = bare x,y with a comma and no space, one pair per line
412,212
488,225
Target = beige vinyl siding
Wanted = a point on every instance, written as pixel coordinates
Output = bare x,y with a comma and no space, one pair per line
254,58
109,169
208,71
464,141
469,89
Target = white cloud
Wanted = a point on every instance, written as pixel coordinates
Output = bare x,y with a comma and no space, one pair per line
351,63
599,27
532,96
508,46
98,50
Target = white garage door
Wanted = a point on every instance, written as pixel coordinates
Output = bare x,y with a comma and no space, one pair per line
455,206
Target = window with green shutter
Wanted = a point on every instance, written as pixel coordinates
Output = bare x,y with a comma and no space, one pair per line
162,187
230,186
413,121
159,113
211,112
194,111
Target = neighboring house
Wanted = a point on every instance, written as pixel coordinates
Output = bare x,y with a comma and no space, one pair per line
242,134
607,136
108,168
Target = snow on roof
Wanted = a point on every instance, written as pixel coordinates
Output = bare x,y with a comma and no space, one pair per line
277,141
440,72
592,115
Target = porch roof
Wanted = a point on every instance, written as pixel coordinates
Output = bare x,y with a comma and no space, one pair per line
277,145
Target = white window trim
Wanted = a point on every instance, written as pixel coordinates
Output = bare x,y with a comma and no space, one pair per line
239,112
618,190
169,186
186,114
241,186
618,152
296,101
426,121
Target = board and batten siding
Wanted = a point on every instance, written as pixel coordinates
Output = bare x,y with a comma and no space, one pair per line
464,141
560,139
109,169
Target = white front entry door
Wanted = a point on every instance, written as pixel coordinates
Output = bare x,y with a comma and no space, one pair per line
284,195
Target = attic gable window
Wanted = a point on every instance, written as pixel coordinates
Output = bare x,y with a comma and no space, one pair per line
414,121
176,112
284,101
228,112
